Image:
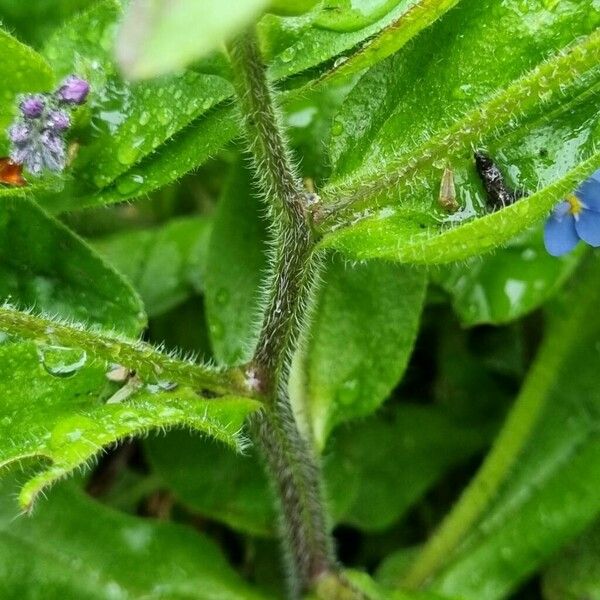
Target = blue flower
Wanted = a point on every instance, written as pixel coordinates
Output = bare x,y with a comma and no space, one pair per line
575,218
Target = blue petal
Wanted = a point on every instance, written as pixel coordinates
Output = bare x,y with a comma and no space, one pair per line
588,227
596,175
589,193
561,210
560,236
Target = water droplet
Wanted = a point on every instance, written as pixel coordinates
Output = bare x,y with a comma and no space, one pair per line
128,152
207,103
222,296
216,329
144,118
164,116
127,184
101,180
60,361
349,392
337,128
288,54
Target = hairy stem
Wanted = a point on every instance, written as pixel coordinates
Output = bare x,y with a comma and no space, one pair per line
144,359
508,446
290,462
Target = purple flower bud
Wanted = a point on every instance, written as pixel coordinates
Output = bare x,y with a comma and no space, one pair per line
19,133
73,90
53,150
32,106
58,120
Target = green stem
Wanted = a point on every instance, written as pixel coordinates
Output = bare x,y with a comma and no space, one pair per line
506,449
150,364
291,465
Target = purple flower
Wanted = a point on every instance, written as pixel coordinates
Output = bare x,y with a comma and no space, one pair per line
73,90
38,136
32,106
576,218
58,120
19,133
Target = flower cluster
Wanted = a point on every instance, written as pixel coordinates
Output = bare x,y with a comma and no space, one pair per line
575,218
37,136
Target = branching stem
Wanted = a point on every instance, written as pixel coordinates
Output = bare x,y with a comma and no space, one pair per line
150,364
289,459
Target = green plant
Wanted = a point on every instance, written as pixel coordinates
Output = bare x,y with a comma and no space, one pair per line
229,233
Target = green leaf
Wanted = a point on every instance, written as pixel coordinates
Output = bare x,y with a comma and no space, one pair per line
165,264
344,30
46,266
55,409
382,466
291,7
33,22
536,115
235,267
21,70
362,466
364,325
73,547
123,123
214,481
550,494
418,16
575,572
502,287
156,37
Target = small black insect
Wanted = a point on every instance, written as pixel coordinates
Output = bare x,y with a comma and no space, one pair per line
499,195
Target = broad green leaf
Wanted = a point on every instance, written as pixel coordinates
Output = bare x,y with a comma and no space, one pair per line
55,409
363,466
46,266
214,481
390,38
336,32
156,37
291,7
125,123
73,547
349,15
363,328
504,286
235,269
21,70
165,264
551,493
575,572
186,150
393,459
527,99
33,22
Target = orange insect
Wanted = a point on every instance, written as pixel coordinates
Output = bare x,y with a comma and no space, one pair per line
11,173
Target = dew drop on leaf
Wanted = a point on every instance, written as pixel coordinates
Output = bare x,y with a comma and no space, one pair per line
348,392
288,54
127,184
222,296
60,361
